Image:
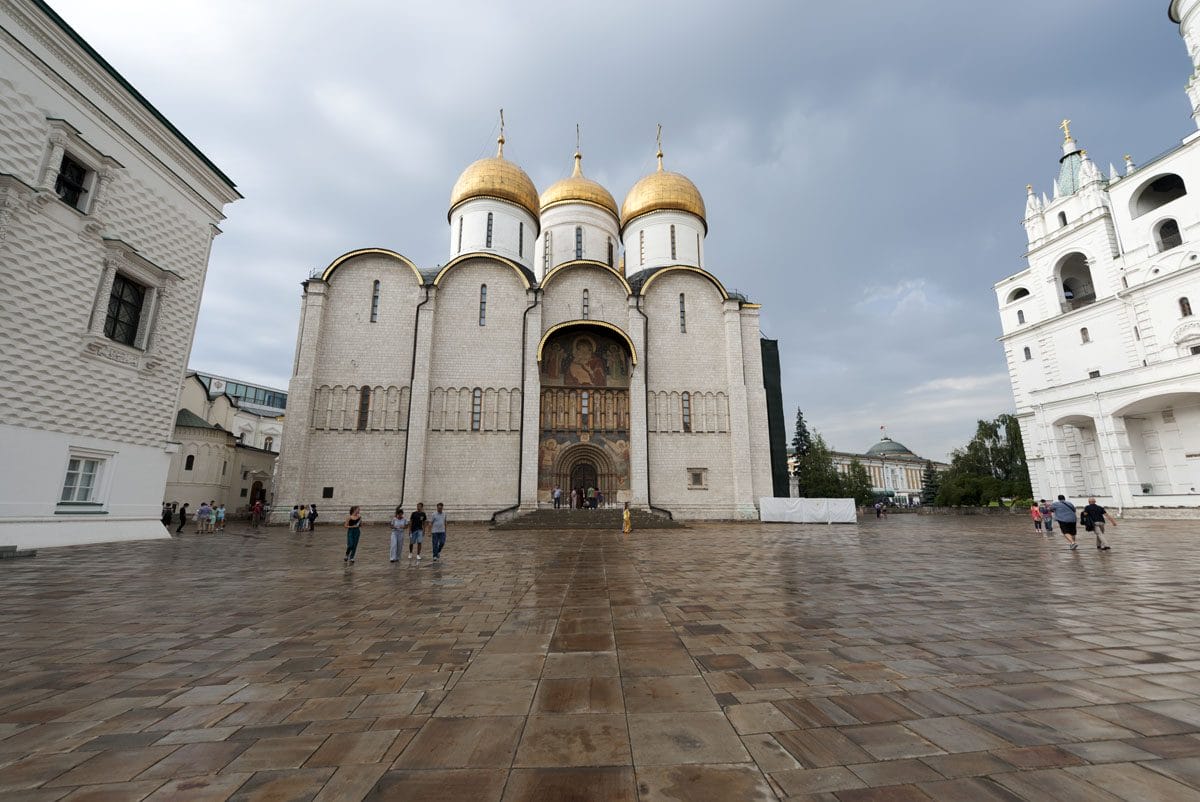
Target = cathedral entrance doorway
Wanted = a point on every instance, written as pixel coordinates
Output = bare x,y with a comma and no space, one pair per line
584,410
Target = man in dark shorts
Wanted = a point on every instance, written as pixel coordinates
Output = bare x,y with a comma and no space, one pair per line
1064,514
416,530
1094,516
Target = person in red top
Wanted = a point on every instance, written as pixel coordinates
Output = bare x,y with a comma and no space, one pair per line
1036,513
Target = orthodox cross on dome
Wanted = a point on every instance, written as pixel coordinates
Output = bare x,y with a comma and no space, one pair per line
578,154
500,139
1065,125
660,153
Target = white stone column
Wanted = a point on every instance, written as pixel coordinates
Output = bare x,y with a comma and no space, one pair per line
739,421
759,455
418,419
58,149
639,459
100,306
292,467
1119,454
531,419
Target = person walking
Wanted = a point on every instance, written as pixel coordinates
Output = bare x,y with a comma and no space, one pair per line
878,509
202,517
437,531
1093,521
220,513
353,532
416,530
312,517
599,498
556,494
182,518
1064,513
256,514
626,520
168,515
1035,513
399,524
1047,516
294,518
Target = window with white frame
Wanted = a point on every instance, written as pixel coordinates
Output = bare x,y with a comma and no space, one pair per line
81,485
578,242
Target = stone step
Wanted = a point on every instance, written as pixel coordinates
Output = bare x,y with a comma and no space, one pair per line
12,552
604,519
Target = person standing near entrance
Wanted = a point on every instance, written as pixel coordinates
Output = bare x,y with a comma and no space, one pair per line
416,530
182,518
1093,521
437,531
626,521
256,514
574,498
556,494
353,532
1064,513
399,524
312,517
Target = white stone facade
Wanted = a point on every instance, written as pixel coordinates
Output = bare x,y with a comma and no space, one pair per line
1102,345
459,384
99,195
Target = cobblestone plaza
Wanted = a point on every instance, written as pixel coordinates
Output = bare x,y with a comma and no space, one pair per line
913,658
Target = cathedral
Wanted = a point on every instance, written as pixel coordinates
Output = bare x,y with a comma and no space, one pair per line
565,342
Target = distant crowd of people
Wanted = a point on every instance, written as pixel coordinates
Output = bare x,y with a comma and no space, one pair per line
580,498
209,517
303,518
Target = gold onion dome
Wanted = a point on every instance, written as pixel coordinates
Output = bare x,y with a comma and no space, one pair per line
663,190
579,189
495,177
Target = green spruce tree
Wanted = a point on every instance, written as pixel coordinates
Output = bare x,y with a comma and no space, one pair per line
801,440
930,484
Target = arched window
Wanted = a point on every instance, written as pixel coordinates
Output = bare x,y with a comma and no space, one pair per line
682,315
1062,219
1019,292
686,400
1084,337
364,408
460,225
488,242
641,247
547,244
190,462
521,240
1158,192
268,442
482,304
375,302
1028,354
578,242
672,242
610,252
1185,307
585,305
1020,316
1076,280
1168,235
476,409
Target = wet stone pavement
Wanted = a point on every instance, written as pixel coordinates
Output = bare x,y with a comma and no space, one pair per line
908,659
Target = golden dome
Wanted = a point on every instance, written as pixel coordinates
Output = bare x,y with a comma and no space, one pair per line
578,189
495,177
663,190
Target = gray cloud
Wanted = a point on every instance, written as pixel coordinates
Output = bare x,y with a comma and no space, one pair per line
864,164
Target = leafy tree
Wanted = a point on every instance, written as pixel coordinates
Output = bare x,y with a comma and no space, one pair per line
801,440
930,483
989,468
815,474
856,484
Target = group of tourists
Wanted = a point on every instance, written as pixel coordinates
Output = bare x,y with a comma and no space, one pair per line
303,518
209,517
1093,517
581,498
411,528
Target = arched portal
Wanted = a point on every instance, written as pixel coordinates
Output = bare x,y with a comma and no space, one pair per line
584,410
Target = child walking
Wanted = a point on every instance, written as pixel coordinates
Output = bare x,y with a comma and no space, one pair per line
353,532
399,524
1036,513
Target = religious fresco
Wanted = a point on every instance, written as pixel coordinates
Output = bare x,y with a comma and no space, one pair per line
585,359
557,457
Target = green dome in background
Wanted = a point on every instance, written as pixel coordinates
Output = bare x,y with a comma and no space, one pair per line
887,447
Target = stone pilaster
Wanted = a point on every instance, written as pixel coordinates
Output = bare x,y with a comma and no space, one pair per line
418,420
639,472
759,455
532,401
1118,452
739,422
291,473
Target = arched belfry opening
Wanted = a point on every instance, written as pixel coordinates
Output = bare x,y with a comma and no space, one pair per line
584,438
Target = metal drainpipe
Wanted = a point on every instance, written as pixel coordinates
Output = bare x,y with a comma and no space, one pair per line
412,370
537,296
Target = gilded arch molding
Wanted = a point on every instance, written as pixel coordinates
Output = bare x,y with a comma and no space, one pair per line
458,260
550,332
346,257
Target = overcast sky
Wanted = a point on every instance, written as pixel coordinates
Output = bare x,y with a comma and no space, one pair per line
864,164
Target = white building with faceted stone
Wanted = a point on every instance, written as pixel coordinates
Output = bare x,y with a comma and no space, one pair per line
1102,343
533,359
107,215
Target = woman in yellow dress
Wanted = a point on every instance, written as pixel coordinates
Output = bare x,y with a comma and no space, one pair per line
626,520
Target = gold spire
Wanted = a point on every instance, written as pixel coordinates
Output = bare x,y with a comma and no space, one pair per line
496,177
578,171
579,188
660,153
1065,125
500,139
662,190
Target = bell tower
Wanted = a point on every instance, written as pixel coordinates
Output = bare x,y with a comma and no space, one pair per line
1186,13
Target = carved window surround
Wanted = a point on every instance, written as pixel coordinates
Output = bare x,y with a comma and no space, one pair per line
120,257
65,139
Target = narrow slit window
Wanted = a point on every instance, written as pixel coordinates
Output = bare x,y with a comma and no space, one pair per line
476,409
610,252
586,310
364,408
584,409
460,226
1084,336
521,240
546,247
190,462
687,411
1185,307
488,242
482,304
1020,316
578,242
672,242
682,314
375,302
1028,354
1137,335
641,247
698,250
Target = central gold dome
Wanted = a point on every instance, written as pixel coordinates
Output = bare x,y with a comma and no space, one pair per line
495,177
663,190
579,189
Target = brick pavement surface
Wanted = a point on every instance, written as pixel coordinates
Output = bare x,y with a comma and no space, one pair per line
918,658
